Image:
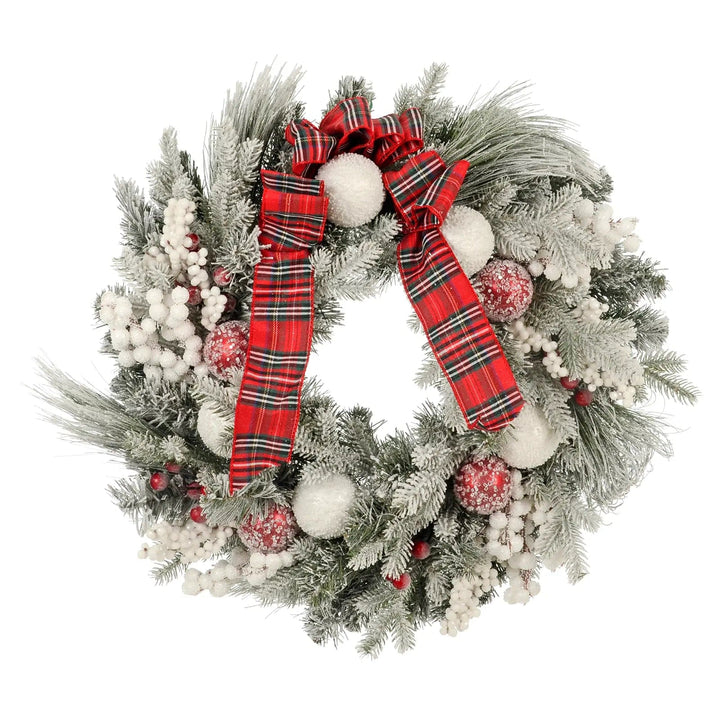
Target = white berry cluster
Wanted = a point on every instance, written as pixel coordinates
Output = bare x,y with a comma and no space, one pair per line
189,262
465,598
192,541
598,219
179,215
144,341
510,539
590,309
532,341
262,566
542,265
219,578
592,375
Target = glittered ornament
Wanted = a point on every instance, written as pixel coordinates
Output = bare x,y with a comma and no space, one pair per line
354,187
321,506
569,383
529,440
272,532
173,467
225,349
505,289
483,486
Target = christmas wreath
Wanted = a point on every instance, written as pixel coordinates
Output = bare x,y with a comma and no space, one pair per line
541,338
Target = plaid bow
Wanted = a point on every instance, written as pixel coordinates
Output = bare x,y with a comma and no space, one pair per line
349,128
456,326
292,220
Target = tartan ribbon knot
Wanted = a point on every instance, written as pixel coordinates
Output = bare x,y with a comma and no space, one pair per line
349,128
424,189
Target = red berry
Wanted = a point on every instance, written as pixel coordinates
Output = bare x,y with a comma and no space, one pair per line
173,467
194,240
231,302
197,514
583,397
420,550
401,582
159,481
221,276
195,295
568,383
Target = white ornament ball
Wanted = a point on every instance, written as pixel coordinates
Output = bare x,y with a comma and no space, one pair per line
470,236
215,429
354,186
321,507
529,440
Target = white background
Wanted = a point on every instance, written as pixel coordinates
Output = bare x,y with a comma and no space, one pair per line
86,92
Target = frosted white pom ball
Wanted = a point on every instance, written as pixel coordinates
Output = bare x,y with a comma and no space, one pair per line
354,187
321,507
215,429
470,236
529,441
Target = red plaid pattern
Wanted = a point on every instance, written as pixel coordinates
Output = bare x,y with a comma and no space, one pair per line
456,326
292,220
349,128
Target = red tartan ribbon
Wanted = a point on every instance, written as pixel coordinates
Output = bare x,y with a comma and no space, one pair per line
455,323
349,128
292,221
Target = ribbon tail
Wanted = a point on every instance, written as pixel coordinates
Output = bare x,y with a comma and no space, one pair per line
458,331
281,324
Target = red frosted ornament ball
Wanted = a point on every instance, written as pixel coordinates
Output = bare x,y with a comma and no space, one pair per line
272,532
505,289
483,486
568,383
226,347
194,242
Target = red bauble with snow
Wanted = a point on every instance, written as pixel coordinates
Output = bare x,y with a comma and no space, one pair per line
505,289
225,349
272,532
483,486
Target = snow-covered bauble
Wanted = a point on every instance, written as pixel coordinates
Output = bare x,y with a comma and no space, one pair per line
272,532
529,441
483,486
225,349
470,236
505,288
215,429
321,507
354,187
